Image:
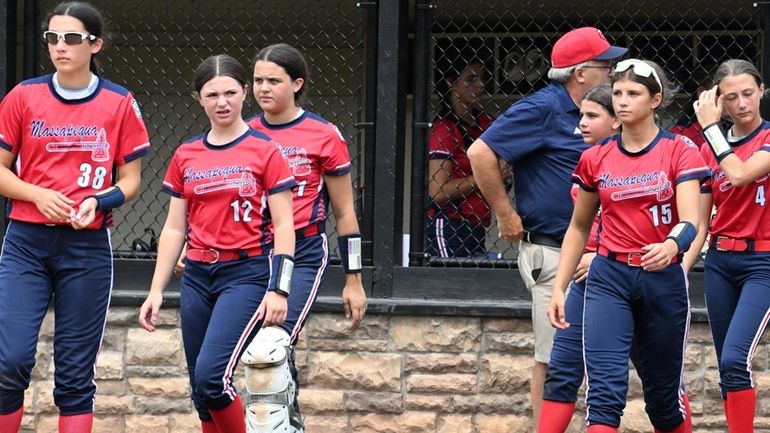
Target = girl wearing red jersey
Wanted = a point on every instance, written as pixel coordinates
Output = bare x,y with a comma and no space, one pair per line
458,214
228,188
565,369
61,137
737,264
646,181
318,157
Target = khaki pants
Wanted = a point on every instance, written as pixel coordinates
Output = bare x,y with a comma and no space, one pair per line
537,266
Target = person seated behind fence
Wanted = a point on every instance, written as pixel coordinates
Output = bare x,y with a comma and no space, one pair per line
458,215
688,125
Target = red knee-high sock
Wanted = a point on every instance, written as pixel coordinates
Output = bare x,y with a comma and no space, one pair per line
687,414
230,419
555,416
209,427
601,428
740,410
724,405
10,422
686,425
76,423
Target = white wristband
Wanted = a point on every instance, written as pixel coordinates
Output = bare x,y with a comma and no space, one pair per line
717,141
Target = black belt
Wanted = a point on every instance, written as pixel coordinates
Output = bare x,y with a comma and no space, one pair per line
540,239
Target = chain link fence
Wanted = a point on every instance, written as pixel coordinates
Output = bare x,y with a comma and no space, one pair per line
153,48
488,54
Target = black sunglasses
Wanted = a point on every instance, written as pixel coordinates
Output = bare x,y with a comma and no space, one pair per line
70,38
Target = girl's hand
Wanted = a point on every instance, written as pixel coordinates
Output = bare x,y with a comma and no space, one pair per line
354,302
556,310
272,309
85,214
708,107
179,266
148,313
659,255
54,205
581,272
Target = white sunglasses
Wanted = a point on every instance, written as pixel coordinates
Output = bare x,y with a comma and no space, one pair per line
69,38
641,69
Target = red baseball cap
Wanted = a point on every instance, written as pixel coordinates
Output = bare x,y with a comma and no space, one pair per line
581,45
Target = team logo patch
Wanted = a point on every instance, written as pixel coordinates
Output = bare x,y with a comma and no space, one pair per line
135,106
299,163
245,184
689,142
337,130
297,159
656,184
99,148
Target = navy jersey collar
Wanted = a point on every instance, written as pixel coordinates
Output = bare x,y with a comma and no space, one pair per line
288,124
762,126
225,146
648,148
52,89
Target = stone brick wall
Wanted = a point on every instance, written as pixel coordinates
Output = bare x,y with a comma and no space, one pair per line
403,374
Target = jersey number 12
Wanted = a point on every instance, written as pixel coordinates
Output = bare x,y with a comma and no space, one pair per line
247,208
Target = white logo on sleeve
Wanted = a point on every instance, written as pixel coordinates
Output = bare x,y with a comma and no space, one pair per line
577,131
135,106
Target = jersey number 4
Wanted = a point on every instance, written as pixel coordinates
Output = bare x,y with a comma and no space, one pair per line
85,180
760,197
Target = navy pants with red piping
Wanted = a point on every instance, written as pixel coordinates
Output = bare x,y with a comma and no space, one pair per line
738,301
218,308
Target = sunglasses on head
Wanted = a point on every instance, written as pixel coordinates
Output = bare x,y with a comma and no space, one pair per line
70,38
641,69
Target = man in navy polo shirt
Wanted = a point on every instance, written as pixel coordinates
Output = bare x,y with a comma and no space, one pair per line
539,136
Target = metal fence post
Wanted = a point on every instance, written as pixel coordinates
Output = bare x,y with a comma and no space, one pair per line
391,102
6,63
31,40
764,19
368,125
420,126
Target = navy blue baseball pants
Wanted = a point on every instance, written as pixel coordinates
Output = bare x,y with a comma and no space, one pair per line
738,302
566,368
448,237
311,257
218,305
625,304
74,267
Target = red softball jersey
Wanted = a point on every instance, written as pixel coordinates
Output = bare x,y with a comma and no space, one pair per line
226,188
71,146
313,148
742,212
637,190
